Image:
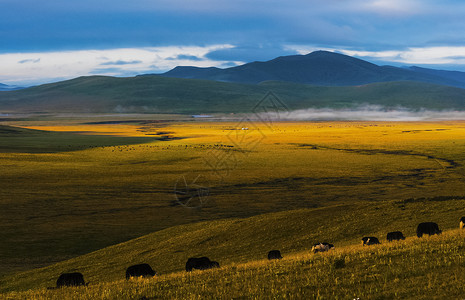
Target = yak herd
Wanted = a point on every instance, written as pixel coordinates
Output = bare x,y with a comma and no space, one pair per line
203,263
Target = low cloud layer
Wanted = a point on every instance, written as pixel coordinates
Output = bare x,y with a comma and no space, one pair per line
363,113
440,56
41,67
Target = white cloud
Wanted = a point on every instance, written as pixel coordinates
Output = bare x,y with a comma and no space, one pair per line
393,7
446,55
427,55
367,113
49,66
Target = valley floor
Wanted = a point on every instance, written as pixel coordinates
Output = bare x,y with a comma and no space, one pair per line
230,190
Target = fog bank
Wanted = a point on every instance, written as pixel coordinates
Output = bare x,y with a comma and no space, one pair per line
363,113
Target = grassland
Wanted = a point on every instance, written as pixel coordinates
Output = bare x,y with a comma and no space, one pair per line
427,268
342,179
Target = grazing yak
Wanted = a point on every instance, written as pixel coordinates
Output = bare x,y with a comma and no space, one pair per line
462,223
144,270
70,279
274,254
428,228
201,263
322,247
370,240
395,236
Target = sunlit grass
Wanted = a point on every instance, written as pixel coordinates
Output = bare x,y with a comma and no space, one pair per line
56,206
427,268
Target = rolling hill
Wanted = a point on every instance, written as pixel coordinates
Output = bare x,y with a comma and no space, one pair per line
319,68
158,94
241,246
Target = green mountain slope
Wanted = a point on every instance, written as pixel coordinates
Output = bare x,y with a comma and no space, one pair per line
158,94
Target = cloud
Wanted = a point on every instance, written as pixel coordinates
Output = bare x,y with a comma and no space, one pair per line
393,7
69,64
444,55
33,61
250,52
186,57
366,113
121,62
108,71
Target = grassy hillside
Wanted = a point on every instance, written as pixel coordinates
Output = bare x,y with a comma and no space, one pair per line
146,94
80,201
430,268
427,267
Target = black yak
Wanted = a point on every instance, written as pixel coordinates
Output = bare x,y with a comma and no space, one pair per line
274,254
370,240
395,236
201,263
428,228
144,270
70,279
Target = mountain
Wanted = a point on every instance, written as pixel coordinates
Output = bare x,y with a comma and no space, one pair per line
318,68
316,80
4,87
452,75
158,94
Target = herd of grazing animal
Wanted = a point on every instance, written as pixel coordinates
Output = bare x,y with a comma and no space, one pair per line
203,263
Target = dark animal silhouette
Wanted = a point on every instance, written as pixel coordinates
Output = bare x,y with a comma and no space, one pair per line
274,254
428,228
370,240
462,223
395,236
201,263
70,279
144,270
322,247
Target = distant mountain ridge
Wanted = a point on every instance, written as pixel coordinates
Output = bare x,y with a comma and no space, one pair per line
158,94
317,80
4,87
321,68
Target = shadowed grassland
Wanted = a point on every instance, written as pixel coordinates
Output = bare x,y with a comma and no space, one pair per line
21,140
56,206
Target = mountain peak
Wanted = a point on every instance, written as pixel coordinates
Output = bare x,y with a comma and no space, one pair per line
319,67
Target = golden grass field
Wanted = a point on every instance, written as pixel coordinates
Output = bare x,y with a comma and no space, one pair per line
335,181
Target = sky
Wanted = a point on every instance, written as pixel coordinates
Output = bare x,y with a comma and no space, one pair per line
50,40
